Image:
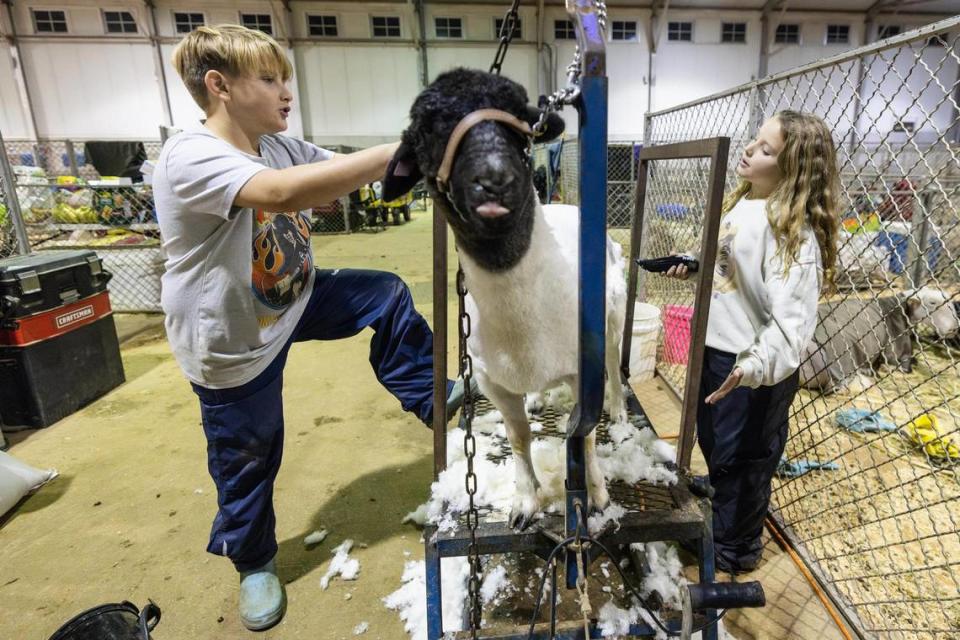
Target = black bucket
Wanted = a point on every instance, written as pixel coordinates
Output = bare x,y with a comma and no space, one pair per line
121,621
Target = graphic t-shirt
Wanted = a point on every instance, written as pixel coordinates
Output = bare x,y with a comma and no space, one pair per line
234,277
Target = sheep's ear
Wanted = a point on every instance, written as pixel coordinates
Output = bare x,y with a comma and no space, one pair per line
554,125
402,173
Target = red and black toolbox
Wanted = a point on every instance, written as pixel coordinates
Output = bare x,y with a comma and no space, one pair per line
58,342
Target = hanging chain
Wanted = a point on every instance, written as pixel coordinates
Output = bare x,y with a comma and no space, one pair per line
568,94
470,451
510,22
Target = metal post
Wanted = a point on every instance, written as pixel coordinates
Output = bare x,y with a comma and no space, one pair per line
345,205
592,108
421,41
433,584
920,238
439,343
868,25
158,62
19,74
13,202
71,158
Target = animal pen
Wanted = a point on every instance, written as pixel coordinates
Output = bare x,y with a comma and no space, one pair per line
877,524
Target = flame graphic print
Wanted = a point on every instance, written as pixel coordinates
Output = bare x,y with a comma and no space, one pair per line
282,259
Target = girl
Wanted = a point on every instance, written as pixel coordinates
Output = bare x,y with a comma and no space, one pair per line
776,251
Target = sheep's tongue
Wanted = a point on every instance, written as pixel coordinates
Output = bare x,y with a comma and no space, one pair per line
492,210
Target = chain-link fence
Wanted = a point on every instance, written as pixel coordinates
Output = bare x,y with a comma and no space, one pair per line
66,204
881,380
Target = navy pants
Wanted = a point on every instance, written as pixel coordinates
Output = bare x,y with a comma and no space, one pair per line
244,425
742,438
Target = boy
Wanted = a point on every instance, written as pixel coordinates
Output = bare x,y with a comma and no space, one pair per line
240,285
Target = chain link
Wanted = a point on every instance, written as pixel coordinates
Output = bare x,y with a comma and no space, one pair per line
469,451
510,21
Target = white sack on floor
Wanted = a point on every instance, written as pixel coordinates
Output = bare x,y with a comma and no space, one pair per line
17,479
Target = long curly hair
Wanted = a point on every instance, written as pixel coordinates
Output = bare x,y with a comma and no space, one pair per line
808,193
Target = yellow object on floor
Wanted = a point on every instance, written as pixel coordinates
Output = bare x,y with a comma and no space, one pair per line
925,432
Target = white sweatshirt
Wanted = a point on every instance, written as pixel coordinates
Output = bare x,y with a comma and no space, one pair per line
757,311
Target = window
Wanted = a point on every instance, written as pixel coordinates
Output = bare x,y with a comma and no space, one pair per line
49,21
680,31
787,34
905,126
385,26
187,22
563,30
838,34
624,30
324,26
259,21
888,31
517,28
448,27
733,32
119,22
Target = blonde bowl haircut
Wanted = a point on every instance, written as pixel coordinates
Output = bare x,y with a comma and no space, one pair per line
232,50
807,193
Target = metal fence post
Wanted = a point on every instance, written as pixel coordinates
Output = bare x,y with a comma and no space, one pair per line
920,238
13,204
71,158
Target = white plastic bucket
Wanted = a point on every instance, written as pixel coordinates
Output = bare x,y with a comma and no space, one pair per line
643,344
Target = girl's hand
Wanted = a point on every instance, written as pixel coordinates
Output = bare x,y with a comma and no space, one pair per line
680,272
728,385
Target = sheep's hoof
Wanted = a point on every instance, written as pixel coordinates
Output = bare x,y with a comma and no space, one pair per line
524,512
619,417
599,499
534,404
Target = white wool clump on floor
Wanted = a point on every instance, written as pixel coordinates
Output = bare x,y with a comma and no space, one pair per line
411,604
612,514
634,457
342,564
637,455
418,516
495,585
361,628
666,575
315,538
488,422
614,621
559,398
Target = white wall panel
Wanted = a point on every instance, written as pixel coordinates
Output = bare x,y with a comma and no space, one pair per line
93,90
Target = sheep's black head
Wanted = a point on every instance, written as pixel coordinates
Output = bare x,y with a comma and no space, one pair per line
490,199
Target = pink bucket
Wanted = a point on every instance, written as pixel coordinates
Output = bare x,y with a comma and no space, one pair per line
676,333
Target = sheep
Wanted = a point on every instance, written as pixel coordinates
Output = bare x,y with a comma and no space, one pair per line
859,335
519,259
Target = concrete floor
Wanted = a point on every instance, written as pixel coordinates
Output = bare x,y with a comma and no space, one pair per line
129,515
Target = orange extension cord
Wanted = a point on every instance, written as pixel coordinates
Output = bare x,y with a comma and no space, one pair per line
810,579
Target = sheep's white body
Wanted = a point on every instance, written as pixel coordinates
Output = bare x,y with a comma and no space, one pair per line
524,337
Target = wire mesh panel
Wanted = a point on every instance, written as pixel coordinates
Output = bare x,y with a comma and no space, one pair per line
881,379
673,223
622,166
8,237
